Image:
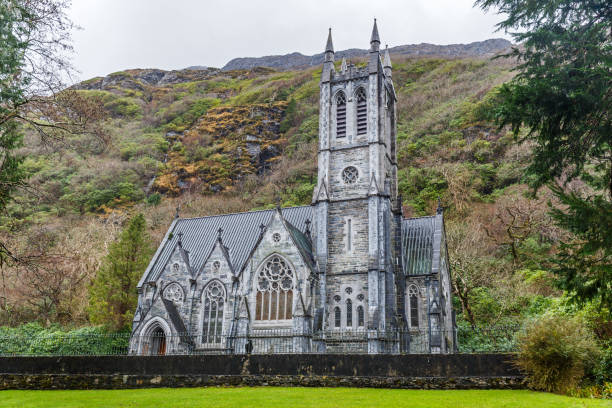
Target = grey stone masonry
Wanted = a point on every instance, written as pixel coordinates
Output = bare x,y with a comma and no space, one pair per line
295,279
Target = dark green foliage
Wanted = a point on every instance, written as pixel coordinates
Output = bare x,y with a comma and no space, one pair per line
584,265
112,296
154,199
34,339
12,86
562,96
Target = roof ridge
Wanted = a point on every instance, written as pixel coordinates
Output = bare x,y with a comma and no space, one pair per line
241,212
418,218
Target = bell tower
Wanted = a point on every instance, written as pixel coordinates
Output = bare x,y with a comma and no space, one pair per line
355,201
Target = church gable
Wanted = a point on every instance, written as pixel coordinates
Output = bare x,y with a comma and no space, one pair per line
279,270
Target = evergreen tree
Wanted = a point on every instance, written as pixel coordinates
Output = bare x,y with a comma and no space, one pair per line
112,295
562,97
12,86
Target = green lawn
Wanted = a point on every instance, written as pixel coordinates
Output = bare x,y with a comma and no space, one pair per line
291,397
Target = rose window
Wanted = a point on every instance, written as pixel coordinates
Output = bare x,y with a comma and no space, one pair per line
276,237
274,290
174,293
349,175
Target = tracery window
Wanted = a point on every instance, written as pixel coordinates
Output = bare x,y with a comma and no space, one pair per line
275,282
362,112
350,174
360,316
349,313
413,305
174,293
337,317
341,115
212,323
216,266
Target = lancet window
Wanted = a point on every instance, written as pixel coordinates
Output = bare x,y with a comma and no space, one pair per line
341,115
214,300
362,112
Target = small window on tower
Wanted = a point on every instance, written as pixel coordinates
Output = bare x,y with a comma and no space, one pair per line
350,175
341,115
362,112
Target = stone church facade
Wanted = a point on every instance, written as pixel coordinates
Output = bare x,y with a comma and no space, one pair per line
346,273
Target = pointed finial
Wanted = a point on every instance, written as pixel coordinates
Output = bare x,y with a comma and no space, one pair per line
180,238
387,61
439,209
278,203
343,66
375,38
307,231
262,229
178,208
219,232
329,48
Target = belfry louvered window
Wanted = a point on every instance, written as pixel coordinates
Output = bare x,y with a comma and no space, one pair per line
341,115
362,112
214,298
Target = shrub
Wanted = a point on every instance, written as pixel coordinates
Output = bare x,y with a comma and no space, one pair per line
555,352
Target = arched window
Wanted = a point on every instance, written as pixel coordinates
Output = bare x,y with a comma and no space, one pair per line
212,323
274,290
158,342
413,305
360,316
337,317
340,114
349,313
362,112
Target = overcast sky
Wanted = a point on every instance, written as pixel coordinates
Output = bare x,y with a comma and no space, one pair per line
122,34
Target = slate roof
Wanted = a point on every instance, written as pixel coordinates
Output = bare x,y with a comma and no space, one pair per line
240,234
178,323
303,243
417,245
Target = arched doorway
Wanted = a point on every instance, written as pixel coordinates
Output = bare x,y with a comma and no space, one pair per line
158,342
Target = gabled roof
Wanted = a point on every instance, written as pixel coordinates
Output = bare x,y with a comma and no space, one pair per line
417,245
176,320
302,242
240,234
224,251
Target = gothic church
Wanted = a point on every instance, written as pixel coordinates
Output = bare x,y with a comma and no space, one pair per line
346,273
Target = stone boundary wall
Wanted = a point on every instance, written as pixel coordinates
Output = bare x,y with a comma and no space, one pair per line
458,371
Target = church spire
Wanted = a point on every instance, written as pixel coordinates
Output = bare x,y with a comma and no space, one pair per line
375,39
329,48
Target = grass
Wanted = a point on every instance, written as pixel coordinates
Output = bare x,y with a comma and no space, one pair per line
292,397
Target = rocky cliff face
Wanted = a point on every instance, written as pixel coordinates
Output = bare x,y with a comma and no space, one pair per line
296,60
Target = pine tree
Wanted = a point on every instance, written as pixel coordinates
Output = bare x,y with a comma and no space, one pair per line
112,295
561,100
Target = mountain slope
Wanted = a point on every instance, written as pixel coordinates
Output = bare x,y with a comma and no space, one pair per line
214,141
296,60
